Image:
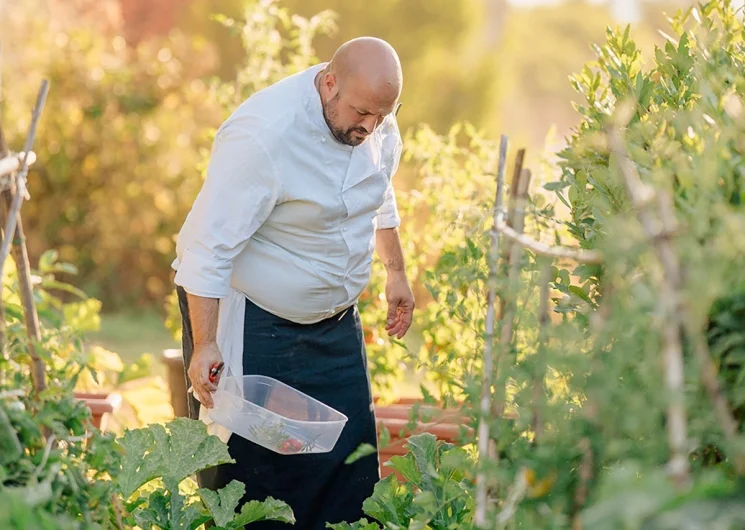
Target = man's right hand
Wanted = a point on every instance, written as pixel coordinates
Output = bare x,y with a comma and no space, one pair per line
204,357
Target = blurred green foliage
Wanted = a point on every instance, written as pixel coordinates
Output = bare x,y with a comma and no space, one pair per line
127,130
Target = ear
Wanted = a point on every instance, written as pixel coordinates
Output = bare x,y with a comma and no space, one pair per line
331,83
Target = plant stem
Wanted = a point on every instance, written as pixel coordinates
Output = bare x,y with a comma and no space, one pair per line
484,437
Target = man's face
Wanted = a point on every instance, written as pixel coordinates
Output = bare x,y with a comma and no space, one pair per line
354,111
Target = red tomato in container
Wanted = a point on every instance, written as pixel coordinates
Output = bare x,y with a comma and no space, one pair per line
291,446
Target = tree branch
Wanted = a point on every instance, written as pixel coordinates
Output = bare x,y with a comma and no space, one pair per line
589,257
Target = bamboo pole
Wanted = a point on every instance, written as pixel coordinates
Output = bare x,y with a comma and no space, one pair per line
484,437
642,197
510,292
15,207
15,239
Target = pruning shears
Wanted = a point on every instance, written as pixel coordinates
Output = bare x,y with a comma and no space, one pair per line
215,370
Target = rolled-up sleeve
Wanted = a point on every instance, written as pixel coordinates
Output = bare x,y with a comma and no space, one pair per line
388,216
239,192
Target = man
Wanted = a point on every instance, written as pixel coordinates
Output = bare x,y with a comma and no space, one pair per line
298,194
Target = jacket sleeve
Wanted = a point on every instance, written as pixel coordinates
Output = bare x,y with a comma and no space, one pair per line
239,192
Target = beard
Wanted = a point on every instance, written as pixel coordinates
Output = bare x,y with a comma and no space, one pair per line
342,135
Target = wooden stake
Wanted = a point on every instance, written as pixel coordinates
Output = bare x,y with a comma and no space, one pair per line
17,240
484,435
510,221
510,293
642,197
709,372
15,207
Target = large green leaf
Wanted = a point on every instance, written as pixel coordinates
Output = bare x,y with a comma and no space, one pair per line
189,516
140,463
423,447
174,455
155,513
223,503
268,510
190,449
390,502
406,466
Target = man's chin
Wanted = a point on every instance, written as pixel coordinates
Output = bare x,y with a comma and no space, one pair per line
355,139
351,139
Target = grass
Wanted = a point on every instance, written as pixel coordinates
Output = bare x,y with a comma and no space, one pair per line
131,334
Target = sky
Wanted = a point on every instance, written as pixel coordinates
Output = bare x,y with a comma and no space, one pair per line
624,10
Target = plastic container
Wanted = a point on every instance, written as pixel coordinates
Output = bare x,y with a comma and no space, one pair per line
275,415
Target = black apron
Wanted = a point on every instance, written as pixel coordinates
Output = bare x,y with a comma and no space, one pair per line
327,361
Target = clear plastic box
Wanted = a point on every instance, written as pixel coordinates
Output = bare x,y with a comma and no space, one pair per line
275,415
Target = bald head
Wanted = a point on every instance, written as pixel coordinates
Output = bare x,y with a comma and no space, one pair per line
359,87
370,62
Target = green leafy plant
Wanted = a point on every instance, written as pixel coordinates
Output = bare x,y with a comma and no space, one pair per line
57,471
435,493
172,454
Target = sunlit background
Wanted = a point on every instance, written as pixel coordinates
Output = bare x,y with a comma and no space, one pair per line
138,87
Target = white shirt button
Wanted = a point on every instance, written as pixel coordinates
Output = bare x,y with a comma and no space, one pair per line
323,139
345,229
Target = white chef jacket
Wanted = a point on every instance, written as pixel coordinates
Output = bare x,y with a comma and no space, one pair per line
287,215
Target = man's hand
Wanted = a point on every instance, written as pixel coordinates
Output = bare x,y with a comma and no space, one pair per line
204,357
400,305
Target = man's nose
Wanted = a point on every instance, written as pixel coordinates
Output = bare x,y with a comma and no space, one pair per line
370,123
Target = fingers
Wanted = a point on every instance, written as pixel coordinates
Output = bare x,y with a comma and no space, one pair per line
202,387
406,318
392,313
204,391
401,323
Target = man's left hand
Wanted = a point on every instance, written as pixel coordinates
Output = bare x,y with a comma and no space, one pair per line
400,306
